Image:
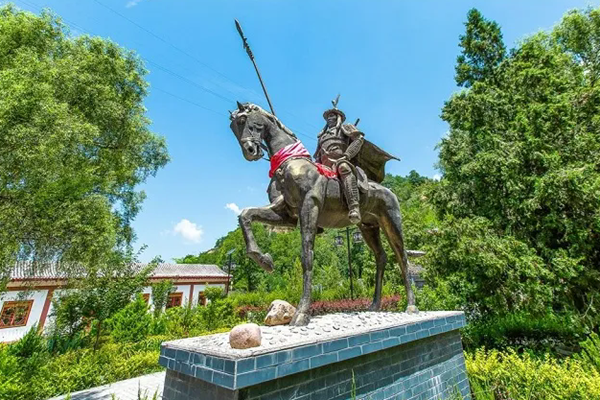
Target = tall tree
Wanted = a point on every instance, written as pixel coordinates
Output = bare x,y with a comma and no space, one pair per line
74,142
522,162
482,50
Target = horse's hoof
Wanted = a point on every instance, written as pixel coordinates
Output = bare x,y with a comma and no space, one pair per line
300,319
266,262
374,307
412,309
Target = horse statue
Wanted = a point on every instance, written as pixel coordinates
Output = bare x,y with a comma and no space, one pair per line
300,193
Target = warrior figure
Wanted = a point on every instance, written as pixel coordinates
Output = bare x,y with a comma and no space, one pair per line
338,145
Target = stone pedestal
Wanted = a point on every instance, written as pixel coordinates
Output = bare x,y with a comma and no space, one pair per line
370,355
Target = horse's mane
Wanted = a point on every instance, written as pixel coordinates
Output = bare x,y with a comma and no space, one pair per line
248,107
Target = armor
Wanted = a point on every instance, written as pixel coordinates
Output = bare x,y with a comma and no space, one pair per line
338,144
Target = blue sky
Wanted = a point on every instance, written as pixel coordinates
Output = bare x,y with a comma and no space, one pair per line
392,62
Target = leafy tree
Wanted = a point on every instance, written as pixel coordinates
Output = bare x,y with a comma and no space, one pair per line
75,142
521,169
132,323
482,50
160,295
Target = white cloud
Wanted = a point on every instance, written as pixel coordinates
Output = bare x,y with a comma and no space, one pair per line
133,3
189,231
233,207
437,177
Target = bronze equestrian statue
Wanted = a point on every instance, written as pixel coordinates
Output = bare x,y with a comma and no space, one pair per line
313,195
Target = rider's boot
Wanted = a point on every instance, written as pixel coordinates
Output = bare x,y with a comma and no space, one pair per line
352,197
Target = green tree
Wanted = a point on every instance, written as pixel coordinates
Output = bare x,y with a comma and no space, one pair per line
160,295
521,169
132,323
482,50
74,142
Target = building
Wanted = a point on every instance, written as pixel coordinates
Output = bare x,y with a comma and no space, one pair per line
28,299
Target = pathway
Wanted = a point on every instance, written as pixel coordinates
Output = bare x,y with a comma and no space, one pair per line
123,390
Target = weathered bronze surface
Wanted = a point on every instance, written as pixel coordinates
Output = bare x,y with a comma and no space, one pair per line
299,194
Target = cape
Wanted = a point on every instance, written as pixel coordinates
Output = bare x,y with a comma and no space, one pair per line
372,159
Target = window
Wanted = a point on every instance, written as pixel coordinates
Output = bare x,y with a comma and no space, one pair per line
201,299
146,297
175,300
15,313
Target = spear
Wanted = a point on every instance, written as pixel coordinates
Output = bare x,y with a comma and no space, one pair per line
247,47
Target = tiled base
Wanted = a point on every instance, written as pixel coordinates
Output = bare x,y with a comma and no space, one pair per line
424,369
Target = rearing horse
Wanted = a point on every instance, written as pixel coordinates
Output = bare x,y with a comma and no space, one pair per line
300,194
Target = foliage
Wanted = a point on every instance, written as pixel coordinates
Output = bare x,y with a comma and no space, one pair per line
132,323
96,299
160,295
521,170
550,333
213,293
75,143
506,375
590,352
328,307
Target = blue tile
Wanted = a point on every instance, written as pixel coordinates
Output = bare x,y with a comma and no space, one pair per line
357,340
266,360
203,373
170,353
439,321
292,368
323,360
371,347
284,356
171,364
423,334
229,366
435,331
163,361
450,319
393,341
222,379
408,338
182,355
255,377
349,353
245,365
306,351
426,325
199,359
412,328
379,335
398,331
186,369
335,345
218,364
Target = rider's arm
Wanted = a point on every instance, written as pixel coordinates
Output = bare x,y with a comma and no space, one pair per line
357,140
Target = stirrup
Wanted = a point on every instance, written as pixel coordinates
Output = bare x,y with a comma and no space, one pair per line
354,216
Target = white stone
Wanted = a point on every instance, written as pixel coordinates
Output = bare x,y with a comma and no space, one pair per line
280,313
245,336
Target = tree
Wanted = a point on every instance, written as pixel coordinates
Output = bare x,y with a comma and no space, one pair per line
482,50
160,295
74,143
132,323
522,159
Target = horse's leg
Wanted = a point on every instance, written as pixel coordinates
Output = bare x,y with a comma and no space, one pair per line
372,238
309,214
273,214
391,221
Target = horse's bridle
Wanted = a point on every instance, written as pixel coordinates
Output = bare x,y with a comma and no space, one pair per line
257,140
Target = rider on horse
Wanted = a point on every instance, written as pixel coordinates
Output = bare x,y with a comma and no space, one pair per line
338,145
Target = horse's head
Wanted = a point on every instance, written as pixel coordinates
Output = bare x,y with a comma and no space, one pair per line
250,124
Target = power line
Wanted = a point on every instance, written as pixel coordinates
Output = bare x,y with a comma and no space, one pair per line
165,69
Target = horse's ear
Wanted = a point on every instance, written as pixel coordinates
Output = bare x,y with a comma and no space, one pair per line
240,106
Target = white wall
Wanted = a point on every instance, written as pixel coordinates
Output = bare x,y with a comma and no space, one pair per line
38,297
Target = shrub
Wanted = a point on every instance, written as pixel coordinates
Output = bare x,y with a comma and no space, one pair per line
132,323
327,307
160,295
590,352
507,375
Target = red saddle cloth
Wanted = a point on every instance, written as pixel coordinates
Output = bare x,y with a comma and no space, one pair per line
297,149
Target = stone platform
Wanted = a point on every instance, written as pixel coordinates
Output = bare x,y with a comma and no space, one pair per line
367,355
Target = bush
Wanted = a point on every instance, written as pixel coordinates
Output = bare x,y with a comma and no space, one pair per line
132,323
524,331
590,352
327,307
499,375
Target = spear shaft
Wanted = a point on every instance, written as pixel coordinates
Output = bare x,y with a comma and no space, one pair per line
249,51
